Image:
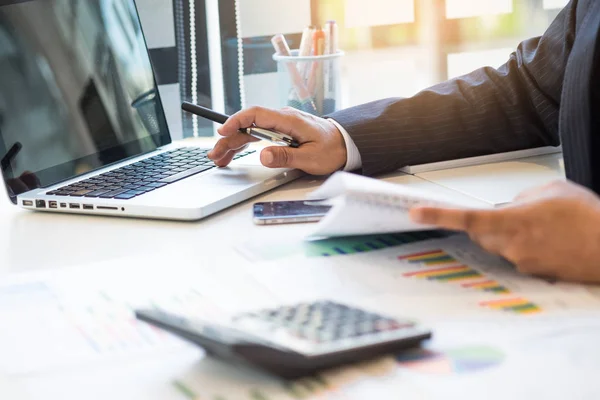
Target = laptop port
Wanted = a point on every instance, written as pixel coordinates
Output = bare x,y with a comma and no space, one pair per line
27,203
108,208
52,204
63,205
88,207
74,205
40,204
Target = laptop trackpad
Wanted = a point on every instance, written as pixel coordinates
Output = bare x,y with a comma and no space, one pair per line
235,175
218,184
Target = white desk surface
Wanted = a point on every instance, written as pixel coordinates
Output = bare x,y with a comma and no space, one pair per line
31,241
501,182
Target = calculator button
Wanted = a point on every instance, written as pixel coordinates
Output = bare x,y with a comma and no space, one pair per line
323,322
326,336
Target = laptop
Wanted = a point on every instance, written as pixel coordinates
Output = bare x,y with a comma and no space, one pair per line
82,126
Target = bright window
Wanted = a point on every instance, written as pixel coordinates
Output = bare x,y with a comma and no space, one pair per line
393,47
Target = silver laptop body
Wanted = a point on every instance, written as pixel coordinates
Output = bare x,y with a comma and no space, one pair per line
82,127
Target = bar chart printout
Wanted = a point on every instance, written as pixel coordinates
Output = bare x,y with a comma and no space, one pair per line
54,326
261,250
438,265
342,383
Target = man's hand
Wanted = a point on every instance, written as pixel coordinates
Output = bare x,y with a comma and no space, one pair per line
552,231
322,148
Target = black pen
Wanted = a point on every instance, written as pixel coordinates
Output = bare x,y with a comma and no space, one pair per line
254,131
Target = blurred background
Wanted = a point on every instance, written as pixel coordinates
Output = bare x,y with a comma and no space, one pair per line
218,52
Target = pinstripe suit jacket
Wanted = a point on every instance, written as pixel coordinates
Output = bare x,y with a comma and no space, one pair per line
546,94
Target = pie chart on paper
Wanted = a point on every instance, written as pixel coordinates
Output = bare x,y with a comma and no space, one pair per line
456,361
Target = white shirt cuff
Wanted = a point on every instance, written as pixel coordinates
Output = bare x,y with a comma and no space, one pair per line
354,161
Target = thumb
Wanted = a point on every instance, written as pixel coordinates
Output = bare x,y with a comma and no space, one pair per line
278,157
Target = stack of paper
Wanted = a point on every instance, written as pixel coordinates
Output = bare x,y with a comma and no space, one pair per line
364,206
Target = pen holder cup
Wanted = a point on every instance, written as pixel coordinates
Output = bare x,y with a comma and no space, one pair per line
311,84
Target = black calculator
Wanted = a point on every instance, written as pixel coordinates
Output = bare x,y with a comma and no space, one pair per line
298,340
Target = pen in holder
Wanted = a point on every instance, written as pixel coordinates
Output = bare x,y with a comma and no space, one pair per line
312,83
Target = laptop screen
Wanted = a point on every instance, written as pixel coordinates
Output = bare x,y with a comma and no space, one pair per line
77,90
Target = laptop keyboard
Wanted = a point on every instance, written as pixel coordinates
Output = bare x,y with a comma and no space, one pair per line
143,176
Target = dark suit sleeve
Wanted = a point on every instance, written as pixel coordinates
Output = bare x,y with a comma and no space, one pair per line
488,111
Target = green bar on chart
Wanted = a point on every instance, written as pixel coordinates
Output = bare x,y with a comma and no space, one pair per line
185,390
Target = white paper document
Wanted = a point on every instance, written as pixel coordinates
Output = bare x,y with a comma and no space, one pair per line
429,280
495,331
365,205
85,316
50,323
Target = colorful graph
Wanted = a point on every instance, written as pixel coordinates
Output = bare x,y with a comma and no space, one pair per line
430,258
438,265
487,286
451,362
307,387
515,305
110,326
185,390
269,251
362,244
337,382
333,383
300,389
448,274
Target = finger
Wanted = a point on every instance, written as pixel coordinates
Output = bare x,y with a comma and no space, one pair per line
530,193
286,157
286,121
460,220
225,145
492,243
226,160
540,191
